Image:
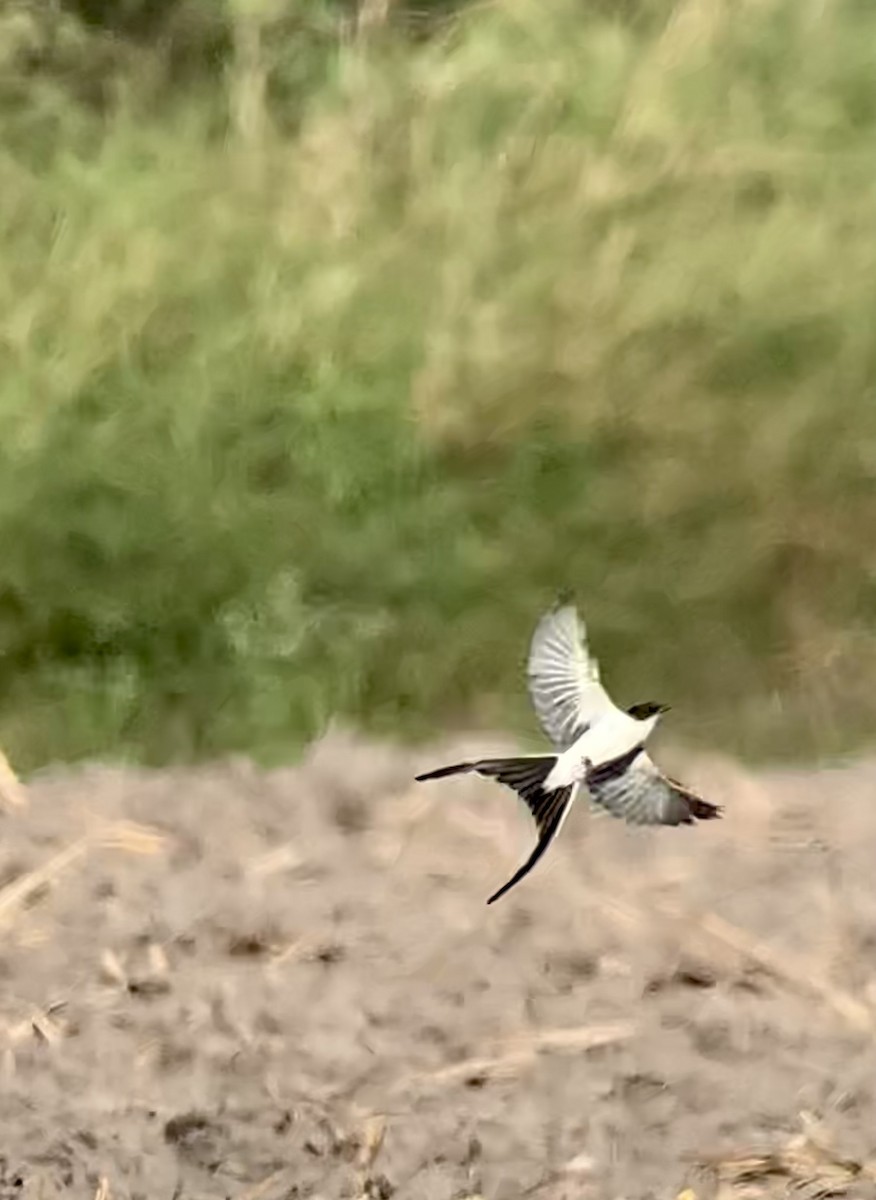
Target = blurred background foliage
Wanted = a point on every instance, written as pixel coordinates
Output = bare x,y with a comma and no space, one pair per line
338,336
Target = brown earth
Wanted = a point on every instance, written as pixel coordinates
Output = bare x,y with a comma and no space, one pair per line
301,992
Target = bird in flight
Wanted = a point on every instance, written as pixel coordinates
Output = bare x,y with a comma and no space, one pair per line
597,744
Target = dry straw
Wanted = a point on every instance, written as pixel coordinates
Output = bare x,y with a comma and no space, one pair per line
809,1165
517,1053
117,835
12,790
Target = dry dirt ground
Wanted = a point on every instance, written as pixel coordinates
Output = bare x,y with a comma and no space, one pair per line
263,985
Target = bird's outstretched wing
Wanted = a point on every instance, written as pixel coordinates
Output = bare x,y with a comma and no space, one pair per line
564,678
633,788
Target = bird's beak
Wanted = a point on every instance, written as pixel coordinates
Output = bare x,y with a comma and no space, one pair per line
665,708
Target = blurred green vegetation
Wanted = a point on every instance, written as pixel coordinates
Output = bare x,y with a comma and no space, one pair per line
335,341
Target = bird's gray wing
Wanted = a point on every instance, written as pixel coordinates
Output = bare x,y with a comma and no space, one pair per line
633,788
564,678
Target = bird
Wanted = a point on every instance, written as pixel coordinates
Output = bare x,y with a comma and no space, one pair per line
597,745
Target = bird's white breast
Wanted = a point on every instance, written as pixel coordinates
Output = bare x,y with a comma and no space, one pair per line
615,735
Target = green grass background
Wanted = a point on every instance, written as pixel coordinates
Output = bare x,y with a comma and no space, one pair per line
330,353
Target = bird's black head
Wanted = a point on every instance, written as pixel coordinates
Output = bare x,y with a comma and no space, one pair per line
650,708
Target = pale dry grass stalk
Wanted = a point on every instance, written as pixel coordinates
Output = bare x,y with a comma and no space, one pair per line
692,23
249,79
371,16
519,1052
722,936
796,973
120,835
283,858
370,1145
46,1024
265,1187
12,790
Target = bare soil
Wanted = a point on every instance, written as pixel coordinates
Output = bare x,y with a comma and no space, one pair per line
300,991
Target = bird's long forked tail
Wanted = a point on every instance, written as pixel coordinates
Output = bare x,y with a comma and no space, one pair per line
526,776
443,772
